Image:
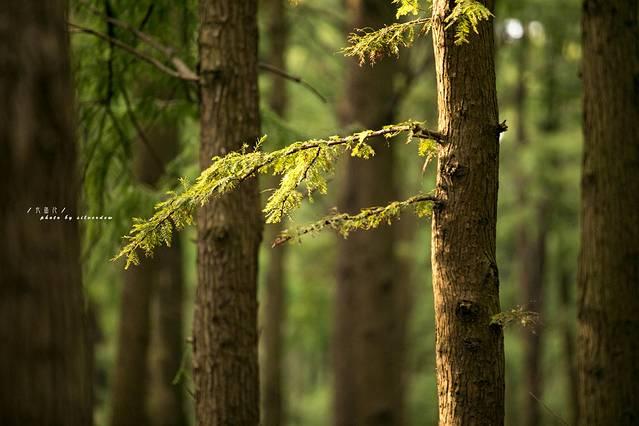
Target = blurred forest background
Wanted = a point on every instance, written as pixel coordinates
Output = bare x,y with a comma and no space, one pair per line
138,133
124,104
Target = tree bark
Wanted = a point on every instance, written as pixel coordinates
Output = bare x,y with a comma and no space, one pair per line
45,360
273,410
369,328
608,277
470,354
229,229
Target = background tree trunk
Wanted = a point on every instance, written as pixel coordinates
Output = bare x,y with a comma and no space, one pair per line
369,328
45,360
143,378
608,281
229,229
166,400
470,354
273,410
531,249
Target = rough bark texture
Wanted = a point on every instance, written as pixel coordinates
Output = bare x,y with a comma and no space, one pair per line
369,327
229,229
274,307
470,355
45,360
608,281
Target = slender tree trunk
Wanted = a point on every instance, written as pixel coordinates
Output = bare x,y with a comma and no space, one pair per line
535,266
45,360
273,411
470,353
229,229
565,303
608,278
531,252
129,392
166,399
134,399
369,327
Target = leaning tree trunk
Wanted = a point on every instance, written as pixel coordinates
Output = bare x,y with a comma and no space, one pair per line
369,327
45,360
470,353
229,229
274,307
608,278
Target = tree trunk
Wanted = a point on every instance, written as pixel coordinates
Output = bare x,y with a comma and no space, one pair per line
531,251
470,353
608,278
134,399
229,229
568,341
273,413
535,265
45,360
129,392
369,328
166,400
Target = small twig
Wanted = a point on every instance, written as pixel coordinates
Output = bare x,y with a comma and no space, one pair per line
547,408
294,78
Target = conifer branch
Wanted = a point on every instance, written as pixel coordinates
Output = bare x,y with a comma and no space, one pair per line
371,45
366,219
307,162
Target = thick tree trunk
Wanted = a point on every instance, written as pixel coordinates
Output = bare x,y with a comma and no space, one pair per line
229,229
608,281
369,327
45,360
470,354
274,307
